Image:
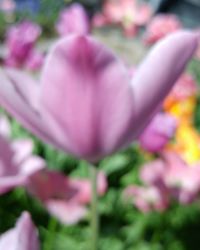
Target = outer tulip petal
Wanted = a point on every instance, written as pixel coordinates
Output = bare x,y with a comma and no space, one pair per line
159,72
22,237
19,95
96,100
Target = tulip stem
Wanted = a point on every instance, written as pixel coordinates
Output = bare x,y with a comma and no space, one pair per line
94,210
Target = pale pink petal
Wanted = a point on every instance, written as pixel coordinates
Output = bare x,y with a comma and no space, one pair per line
23,237
22,149
19,94
65,212
157,74
5,129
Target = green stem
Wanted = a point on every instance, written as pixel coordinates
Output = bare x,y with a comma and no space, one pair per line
94,210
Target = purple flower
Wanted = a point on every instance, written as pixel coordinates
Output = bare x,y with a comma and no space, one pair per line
23,236
158,133
73,19
87,104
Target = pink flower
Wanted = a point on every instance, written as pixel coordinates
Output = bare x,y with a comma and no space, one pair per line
16,163
20,40
23,236
158,133
161,26
73,19
87,104
147,199
64,198
183,180
174,176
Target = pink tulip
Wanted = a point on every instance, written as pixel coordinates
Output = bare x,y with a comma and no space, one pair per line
23,236
161,26
20,40
87,104
147,199
158,133
65,198
73,19
17,163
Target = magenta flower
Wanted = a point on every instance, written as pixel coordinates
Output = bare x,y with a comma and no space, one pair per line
65,198
87,104
21,38
161,26
73,19
158,133
23,236
20,41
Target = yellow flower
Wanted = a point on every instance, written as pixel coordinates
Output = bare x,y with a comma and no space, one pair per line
187,143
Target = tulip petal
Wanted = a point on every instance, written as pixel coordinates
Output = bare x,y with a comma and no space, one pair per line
67,213
96,100
19,95
157,74
23,236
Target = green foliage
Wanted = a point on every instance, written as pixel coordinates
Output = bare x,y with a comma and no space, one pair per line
123,227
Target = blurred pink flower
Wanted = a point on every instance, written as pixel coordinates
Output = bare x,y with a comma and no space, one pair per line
16,163
23,236
73,19
158,133
20,42
183,180
147,199
152,173
65,198
128,13
171,174
81,105
161,26
21,38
